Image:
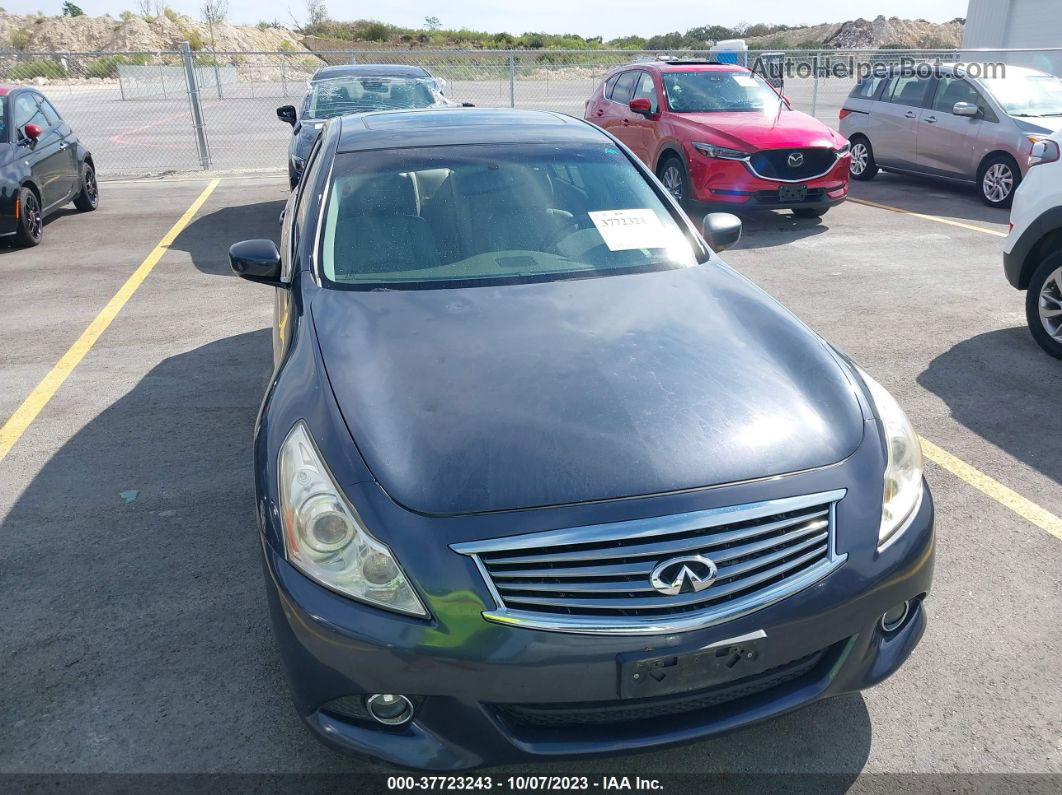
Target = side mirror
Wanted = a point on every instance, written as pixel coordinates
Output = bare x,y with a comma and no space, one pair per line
287,113
33,131
967,109
641,105
721,230
256,261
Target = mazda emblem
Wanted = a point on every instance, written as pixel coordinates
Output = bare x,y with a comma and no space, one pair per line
795,159
683,575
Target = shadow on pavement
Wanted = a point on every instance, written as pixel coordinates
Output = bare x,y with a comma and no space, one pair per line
1019,411
766,229
207,239
930,197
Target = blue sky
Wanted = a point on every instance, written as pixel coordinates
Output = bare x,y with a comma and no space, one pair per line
588,17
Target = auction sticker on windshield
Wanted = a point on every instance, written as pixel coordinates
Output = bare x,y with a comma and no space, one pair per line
627,229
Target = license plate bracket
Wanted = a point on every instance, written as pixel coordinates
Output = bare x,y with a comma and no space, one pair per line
788,194
644,676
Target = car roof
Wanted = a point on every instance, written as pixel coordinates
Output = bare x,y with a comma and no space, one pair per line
369,69
686,66
395,129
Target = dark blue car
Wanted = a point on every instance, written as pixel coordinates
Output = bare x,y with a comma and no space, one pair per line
539,475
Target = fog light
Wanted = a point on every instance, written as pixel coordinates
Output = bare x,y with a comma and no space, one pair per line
893,618
390,709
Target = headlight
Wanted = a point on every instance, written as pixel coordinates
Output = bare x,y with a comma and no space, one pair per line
720,152
324,537
903,470
844,149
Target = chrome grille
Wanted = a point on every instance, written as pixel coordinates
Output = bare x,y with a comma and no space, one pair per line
596,579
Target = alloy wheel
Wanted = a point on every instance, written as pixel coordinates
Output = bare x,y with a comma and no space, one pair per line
91,189
672,179
31,213
1050,305
860,157
997,182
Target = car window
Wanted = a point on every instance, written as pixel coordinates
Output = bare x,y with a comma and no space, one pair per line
646,89
952,89
609,85
713,91
50,113
621,92
867,87
340,96
27,111
907,90
474,215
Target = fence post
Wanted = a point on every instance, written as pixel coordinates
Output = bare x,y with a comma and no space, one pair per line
815,85
512,80
197,108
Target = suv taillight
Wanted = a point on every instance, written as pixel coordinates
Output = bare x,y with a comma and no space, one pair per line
843,112
1043,152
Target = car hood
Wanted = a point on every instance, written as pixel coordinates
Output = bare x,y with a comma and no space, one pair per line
495,398
752,131
1043,125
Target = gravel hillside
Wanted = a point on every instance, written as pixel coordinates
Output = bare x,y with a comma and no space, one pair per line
105,34
862,34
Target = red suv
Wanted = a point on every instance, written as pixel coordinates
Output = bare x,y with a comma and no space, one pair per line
718,134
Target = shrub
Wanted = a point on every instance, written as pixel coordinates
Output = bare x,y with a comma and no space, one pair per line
27,70
194,39
107,66
20,38
170,14
125,16
287,46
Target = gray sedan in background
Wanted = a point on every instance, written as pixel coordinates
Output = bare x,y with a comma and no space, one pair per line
951,125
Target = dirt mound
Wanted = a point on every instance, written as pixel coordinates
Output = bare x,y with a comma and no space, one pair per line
862,34
137,34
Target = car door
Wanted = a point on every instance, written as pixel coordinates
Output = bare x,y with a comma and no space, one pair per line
894,120
947,144
640,128
617,112
46,156
68,144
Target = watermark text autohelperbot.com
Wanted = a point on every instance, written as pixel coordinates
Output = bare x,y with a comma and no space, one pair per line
847,67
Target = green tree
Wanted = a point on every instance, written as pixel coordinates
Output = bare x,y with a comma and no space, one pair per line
71,10
432,23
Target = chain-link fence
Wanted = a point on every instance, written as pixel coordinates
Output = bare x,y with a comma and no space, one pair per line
148,113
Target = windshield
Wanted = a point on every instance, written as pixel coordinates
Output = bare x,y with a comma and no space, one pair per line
709,92
1027,95
454,215
339,96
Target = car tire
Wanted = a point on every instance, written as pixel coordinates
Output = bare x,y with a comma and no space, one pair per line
29,228
997,179
863,166
1044,294
88,198
810,212
676,179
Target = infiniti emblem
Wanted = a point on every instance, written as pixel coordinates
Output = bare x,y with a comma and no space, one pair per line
795,160
683,575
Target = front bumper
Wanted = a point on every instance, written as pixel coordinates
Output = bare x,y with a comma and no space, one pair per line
731,183
472,679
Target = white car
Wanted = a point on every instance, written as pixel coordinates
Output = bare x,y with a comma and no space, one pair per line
1032,252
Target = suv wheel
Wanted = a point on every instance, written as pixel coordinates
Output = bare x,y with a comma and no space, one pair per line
1043,305
673,174
863,165
999,178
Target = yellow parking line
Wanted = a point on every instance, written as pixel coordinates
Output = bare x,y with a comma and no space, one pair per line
1027,509
26,413
936,218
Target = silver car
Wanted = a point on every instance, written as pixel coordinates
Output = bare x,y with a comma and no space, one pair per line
953,126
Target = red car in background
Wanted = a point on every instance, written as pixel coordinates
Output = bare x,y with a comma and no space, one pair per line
718,134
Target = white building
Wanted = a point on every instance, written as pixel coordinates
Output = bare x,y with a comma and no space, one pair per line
1011,24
